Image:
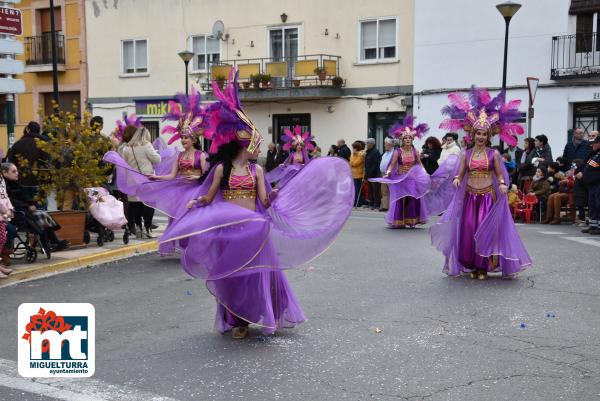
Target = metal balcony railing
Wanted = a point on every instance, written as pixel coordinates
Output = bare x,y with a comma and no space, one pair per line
575,56
315,70
38,49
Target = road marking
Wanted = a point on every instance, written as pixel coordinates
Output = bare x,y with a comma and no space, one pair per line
551,232
71,389
584,240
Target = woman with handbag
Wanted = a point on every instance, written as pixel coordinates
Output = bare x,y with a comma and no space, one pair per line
141,156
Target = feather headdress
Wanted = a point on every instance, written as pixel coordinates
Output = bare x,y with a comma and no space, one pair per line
406,127
122,124
187,111
225,120
481,112
296,138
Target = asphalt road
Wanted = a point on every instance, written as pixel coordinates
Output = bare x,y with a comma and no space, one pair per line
384,324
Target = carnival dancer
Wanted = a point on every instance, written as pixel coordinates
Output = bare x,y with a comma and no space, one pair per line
300,143
477,234
240,235
406,178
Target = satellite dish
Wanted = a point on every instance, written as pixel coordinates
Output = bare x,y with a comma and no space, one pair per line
218,30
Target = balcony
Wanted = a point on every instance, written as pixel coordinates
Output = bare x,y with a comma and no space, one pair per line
301,77
575,56
38,52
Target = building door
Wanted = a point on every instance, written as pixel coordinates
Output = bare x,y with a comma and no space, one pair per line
379,125
289,121
586,116
283,46
66,100
153,128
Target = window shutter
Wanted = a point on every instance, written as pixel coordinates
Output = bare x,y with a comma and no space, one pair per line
141,56
387,33
128,66
584,6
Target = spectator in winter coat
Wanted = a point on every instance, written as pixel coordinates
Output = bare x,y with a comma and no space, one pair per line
578,148
543,152
432,150
526,169
449,147
372,161
580,192
271,154
343,150
357,166
591,179
540,187
560,198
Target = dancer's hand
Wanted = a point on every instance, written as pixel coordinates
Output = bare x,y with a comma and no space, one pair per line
192,177
456,182
191,203
153,177
504,188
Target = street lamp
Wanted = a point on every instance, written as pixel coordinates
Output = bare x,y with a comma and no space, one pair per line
532,85
508,9
186,56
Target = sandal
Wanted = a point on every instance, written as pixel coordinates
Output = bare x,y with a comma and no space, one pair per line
239,333
482,275
5,270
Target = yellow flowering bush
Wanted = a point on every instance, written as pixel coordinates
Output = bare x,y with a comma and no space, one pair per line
75,153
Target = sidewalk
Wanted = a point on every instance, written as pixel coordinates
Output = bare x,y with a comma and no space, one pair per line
92,254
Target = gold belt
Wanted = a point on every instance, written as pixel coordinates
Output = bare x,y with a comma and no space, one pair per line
404,169
480,191
480,174
190,171
231,194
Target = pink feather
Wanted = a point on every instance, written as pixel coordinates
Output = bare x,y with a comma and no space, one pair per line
512,105
459,100
451,125
484,96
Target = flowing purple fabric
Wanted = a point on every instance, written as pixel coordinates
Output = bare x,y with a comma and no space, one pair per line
168,158
441,190
495,234
159,145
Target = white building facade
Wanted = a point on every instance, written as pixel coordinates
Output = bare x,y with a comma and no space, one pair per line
460,43
134,64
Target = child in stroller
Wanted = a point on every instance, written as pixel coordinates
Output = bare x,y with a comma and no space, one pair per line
105,214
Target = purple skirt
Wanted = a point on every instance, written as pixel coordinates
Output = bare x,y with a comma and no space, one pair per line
264,298
405,212
477,205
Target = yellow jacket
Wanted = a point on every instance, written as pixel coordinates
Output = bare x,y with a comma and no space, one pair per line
357,165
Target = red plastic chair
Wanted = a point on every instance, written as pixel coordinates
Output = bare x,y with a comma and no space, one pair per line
526,207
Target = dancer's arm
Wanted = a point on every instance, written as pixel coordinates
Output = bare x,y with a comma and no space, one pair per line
497,166
419,158
392,165
212,191
169,176
203,163
260,186
461,171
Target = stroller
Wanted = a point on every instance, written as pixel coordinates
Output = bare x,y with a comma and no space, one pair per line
105,214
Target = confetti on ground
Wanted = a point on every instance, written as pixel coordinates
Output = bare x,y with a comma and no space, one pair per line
378,330
551,314
188,293
523,325
311,268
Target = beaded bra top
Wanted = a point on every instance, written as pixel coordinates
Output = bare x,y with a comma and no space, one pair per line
241,186
481,167
190,167
405,163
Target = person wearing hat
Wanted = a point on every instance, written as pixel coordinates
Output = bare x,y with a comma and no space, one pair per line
372,161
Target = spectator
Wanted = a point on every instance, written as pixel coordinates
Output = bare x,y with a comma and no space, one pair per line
558,199
510,164
580,192
141,156
271,154
38,220
578,148
513,196
333,149
562,164
516,154
432,150
281,156
372,162
386,159
316,152
450,147
463,143
526,168
591,179
540,187
343,150
592,137
543,152
357,165
26,150
554,177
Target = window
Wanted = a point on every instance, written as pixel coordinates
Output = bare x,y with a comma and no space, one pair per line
206,50
135,56
378,39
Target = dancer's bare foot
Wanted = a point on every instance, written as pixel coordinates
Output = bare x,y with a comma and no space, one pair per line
5,270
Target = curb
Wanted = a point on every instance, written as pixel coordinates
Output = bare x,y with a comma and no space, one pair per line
31,273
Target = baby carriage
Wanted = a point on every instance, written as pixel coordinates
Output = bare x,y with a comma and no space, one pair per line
105,214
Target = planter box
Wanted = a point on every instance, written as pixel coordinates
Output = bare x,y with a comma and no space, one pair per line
72,226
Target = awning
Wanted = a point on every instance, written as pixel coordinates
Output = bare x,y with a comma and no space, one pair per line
584,6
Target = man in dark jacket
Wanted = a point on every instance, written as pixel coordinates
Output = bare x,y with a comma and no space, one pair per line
591,179
271,154
26,149
372,162
343,150
281,156
578,148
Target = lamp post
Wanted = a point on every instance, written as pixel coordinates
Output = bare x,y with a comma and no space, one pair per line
532,85
54,58
186,56
508,9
